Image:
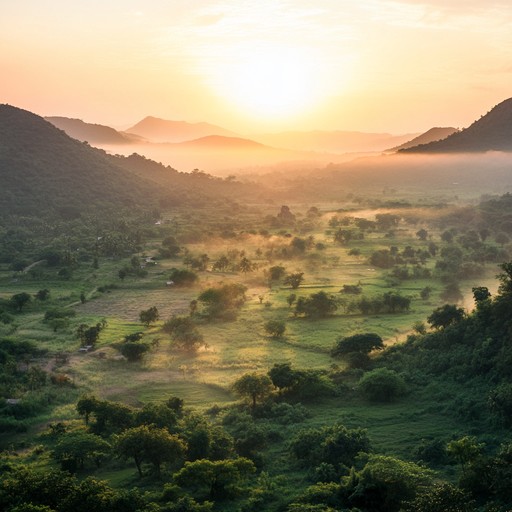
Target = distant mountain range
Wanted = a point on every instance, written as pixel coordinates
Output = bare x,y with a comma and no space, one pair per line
92,133
432,135
162,130
492,132
44,171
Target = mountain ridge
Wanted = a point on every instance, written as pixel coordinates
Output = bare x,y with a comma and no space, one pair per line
163,130
492,132
432,135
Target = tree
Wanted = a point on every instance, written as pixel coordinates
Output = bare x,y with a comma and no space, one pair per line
276,272
86,406
184,332
291,299
443,497
73,449
245,265
481,294
385,483
283,376
89,335
422,234
500,402
334,444
42,295
294,280
20,300
394,302
183,277
133,350
149,316
254,386
363,343
446,315
383,258
151,444
222,302
275,328
464,450
381,385
317,305
426,292
214,479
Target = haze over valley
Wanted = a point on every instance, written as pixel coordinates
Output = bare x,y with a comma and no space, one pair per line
255,256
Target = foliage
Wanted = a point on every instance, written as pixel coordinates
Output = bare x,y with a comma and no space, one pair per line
317,305
382,385
89,335
151,444
184,332
336,445
133,350
214,479
73,449
149,316
500,402
254,386
294,279
275,328
222,302
446,315
183,277
385,483
20,300
441,496
362,343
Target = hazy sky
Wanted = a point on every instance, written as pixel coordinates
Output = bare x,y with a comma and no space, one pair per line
371,65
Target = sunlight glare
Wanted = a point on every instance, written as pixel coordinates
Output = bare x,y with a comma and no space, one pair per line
272,83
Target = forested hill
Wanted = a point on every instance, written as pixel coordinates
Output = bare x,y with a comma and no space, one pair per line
93,133
195,187
42,170
492,132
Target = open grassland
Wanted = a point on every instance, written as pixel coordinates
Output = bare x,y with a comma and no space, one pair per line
204,378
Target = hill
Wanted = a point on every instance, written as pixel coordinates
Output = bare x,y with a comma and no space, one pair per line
44,170
195,188
492,132
432,135
87,132
223,143
162,130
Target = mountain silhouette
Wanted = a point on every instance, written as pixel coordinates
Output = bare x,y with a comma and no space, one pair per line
432,135
162,130
492,132
87,132
43,170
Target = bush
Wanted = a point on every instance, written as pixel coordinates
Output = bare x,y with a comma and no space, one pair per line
275,328
382,385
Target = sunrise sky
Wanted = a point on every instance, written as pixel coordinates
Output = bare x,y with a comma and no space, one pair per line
372,65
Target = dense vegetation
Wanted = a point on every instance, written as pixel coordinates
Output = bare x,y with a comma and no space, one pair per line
291,358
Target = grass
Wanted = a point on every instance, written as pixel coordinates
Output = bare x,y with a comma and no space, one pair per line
204,379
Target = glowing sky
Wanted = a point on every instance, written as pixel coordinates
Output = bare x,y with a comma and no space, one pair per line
372,65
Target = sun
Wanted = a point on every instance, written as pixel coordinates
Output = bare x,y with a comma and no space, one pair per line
271,82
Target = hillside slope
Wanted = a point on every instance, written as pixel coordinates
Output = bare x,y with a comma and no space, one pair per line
432,135
93,133
492,132
42,170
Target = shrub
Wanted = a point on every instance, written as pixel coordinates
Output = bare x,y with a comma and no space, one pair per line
382,385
